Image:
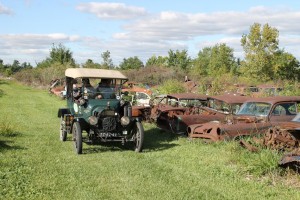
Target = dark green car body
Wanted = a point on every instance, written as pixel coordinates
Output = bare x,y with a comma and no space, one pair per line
105,118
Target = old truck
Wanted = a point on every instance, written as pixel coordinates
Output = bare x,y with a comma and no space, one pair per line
98,110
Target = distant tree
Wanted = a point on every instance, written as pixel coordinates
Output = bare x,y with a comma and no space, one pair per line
159,61
26,65
202,62
131,63
215,61
2,67
171,86
179,59
44,64
260,46
90,64
285,66
58,55
222,60
61,55
107,61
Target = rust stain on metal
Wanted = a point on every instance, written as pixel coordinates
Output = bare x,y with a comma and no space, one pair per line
291,159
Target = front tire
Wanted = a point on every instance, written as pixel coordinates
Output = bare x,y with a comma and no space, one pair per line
138,137
77,137
62,131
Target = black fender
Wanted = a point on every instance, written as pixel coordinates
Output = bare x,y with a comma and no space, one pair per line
83,124
63,111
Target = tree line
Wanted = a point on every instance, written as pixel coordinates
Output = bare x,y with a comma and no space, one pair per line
264,60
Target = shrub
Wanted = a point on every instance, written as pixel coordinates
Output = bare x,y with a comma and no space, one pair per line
171,86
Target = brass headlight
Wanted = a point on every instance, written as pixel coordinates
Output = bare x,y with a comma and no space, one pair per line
125,121
93,120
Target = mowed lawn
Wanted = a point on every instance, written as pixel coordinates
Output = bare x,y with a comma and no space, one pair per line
35,164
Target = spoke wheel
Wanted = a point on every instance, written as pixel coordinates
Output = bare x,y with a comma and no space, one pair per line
62,130
77,137
138,137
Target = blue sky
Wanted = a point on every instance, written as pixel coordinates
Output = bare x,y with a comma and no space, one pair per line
140,28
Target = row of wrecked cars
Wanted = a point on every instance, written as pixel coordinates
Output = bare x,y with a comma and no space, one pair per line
273,121
210,118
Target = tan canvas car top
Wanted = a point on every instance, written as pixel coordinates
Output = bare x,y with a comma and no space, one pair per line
94,73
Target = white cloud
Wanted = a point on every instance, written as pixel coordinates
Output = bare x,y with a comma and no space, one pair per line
31,47
116,11
5,11
184,26
155,34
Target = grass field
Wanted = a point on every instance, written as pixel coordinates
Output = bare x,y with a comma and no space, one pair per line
35,164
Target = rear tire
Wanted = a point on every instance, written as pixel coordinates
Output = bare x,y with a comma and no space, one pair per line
77,137
62,131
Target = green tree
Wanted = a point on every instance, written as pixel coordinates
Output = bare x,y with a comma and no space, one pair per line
286,66
179,59
90,64
107,61
201,63
131,63
62,55
171,86
260,47
159,61
222,60
215,61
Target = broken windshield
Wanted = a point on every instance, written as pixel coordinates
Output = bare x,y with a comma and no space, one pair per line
255,108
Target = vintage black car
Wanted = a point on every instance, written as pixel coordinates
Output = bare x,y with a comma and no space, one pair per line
95,105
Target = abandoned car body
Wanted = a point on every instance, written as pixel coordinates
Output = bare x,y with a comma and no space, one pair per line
100,111
255,116
57,87
285,136
218,108
291,159
176,104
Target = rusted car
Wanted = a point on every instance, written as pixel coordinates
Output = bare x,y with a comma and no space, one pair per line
58,88
138,94
219,108
255,116
176,104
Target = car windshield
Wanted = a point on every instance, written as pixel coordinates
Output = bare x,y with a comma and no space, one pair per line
255,108
99,89
186,102
218,105
297,118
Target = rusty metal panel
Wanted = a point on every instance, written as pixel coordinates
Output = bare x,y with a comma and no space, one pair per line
181,96
229,98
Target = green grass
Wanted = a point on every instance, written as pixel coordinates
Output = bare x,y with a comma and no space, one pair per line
35,164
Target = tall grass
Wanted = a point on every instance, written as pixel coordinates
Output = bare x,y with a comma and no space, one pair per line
35,164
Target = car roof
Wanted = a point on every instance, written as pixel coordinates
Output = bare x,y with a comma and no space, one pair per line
181,96
94,73
276,99
230,98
